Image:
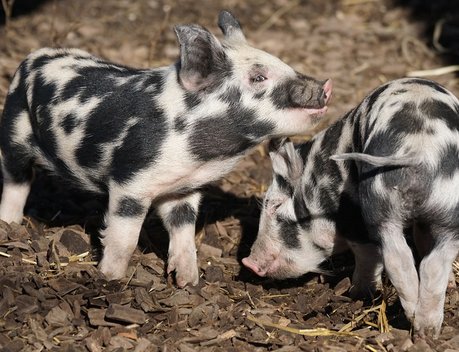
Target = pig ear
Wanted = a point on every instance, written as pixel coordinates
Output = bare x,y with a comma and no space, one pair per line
285,159
201,57
230,27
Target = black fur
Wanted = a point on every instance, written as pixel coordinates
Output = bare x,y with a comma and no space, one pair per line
181,215
224,136
129,207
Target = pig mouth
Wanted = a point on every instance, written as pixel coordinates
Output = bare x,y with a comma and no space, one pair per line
316,112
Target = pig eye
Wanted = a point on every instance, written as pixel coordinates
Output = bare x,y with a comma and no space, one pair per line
259,78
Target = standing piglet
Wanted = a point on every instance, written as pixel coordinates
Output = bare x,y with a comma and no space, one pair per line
153,135
390,164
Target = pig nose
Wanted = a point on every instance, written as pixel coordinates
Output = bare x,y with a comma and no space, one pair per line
326,92
250,264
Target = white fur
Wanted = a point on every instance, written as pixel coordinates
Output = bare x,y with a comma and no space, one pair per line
444,196
22,128
434,272
171,98
400,266
14,197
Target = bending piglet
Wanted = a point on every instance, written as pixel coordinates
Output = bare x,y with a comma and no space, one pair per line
390,164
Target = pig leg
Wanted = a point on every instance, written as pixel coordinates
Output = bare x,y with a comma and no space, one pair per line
423,241
368,268
123,221
179,218
399,264
17,159
434,272
17,180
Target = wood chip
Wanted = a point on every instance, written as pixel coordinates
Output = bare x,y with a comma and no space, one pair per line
125,314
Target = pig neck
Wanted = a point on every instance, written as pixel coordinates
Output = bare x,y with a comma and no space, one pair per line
329,187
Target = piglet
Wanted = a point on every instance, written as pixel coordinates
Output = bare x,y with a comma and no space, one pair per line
149,136
390,164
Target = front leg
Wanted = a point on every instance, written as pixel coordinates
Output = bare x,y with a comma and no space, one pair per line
179,217
123,222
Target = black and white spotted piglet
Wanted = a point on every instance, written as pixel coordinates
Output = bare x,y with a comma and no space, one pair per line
153,135
390,164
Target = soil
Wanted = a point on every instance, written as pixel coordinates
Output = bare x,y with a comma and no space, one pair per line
54,298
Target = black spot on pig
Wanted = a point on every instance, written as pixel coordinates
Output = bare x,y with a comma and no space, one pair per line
180,123
428,83
44,59
331,138
376,208
141,146
181,215
449,161
17,161
259,95
153,83
284,185
191,100
99,81
110,118
41,119
383,143
375,95
129,207
436,109
302,212
304,149
227,134
232,95
407,120
289,232
69,123
399,91
309,192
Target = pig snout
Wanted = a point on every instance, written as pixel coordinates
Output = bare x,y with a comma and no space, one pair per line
253,266
310,96
264,264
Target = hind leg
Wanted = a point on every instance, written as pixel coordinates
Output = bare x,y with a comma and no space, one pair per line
14,197
434,273
17,157
17,180
399,265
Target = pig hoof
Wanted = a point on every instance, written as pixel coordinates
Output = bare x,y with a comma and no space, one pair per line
428,325
186,270
111,272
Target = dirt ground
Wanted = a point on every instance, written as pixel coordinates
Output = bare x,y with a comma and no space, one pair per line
53,297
